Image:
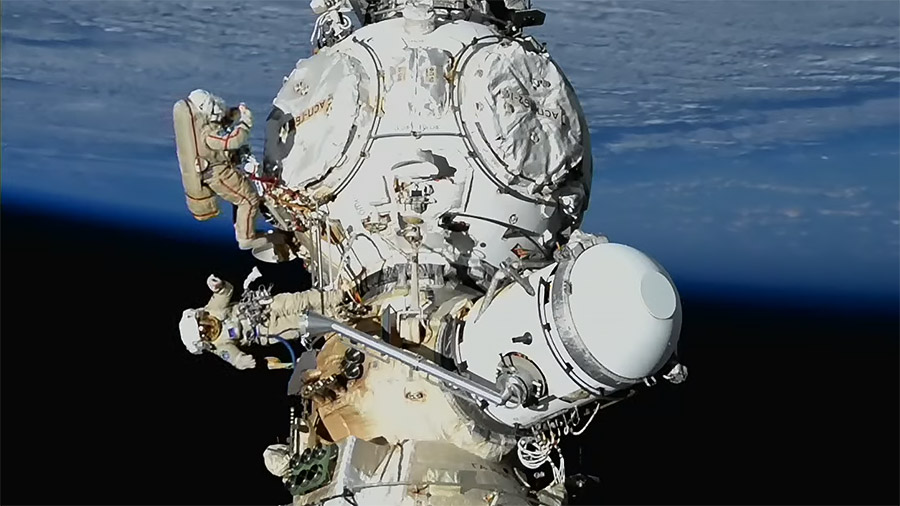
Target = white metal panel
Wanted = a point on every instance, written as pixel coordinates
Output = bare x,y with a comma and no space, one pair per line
512,313
328,95
522,107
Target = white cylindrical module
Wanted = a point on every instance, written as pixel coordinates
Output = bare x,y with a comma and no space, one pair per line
599,321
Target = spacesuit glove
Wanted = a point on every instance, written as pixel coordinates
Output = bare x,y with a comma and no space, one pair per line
246,115
334,298
214,283
244,362
268,340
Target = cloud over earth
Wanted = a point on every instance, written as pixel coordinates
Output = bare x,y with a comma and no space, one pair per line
736,140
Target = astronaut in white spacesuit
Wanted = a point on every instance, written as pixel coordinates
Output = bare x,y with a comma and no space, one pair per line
222,325
220,134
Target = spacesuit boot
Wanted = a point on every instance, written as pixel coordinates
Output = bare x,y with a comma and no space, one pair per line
257,242
260,240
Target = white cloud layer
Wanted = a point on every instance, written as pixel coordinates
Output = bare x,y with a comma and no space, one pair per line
88,87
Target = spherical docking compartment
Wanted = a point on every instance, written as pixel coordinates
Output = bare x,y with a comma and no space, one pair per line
601,320
618,313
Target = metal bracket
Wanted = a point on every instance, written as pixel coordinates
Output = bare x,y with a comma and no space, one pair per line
512,272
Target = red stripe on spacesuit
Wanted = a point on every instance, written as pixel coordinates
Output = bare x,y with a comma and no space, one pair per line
232,190
188,102
249,228
188,195
246,199
227,138
207,215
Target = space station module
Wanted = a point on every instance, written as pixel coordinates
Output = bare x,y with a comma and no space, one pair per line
432,162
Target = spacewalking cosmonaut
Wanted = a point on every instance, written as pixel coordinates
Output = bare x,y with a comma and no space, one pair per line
223,326
209,138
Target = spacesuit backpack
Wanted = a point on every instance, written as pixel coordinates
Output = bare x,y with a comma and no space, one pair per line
201,200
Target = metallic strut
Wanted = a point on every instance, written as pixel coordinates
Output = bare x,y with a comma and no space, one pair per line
318,324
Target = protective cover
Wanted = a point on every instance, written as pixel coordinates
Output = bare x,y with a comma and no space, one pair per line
415,89
518,104
327,105
201,200
416,473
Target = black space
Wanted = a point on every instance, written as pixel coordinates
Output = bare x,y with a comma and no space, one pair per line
101,404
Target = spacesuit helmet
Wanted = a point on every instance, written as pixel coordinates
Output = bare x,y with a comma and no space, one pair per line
190,331
208,104
198,329
210,327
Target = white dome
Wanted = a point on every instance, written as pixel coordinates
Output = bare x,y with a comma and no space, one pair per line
625,309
